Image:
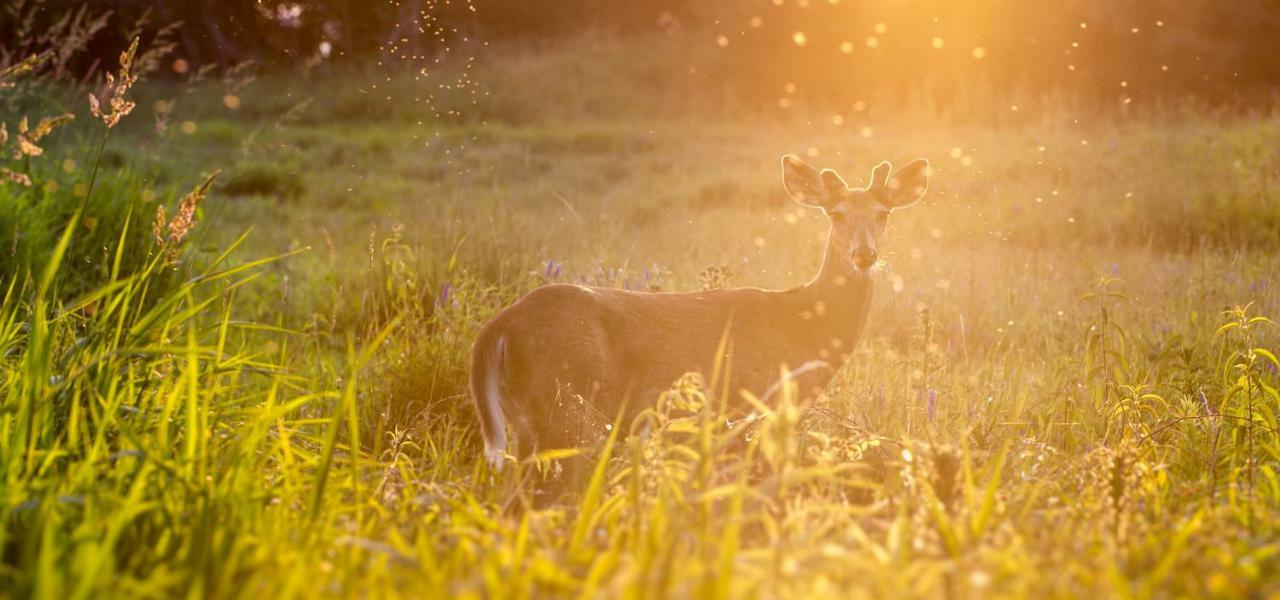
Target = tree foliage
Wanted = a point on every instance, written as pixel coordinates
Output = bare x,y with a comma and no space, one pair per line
1222,52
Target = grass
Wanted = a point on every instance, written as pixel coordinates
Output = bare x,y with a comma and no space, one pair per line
1067,387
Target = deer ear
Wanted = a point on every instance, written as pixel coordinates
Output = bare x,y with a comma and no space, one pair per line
803,183
832,181
906,185
880,175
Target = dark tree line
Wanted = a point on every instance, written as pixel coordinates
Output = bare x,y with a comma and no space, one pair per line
1221,50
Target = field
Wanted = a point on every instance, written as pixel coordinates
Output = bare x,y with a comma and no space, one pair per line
1067,386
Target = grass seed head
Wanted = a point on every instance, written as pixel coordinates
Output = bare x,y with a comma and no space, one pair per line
14,177
26,144
170,235
28,137
117,87
159,226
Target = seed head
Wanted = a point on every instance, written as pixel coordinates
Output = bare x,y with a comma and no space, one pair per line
169,235
159,225
117,87
28,137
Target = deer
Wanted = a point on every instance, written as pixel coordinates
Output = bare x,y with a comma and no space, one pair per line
560,364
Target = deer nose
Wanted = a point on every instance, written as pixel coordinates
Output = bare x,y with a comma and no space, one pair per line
864,258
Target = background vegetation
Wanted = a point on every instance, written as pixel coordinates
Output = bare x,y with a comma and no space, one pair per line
1067,388
939,53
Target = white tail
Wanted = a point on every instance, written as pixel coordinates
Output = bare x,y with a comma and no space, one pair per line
486,389
562,361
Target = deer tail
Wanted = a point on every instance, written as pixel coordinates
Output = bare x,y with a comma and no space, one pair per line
486,390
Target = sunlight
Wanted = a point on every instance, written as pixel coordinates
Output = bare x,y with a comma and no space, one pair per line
679,299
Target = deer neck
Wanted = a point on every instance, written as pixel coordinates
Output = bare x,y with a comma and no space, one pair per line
840,302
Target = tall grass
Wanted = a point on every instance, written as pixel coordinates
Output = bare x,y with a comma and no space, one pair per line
149,451
1033,412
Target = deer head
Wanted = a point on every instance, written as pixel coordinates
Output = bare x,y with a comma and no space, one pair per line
858,215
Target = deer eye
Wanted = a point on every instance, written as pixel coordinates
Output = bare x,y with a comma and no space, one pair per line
837,217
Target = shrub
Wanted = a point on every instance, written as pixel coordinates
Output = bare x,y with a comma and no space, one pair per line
264,180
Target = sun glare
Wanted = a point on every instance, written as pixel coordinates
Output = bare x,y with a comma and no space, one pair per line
646,299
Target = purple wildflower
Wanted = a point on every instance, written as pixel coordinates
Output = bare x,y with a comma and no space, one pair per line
551,270
1204,401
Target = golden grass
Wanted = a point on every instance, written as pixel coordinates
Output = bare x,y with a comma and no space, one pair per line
1067,387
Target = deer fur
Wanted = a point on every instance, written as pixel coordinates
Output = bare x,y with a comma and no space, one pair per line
560,364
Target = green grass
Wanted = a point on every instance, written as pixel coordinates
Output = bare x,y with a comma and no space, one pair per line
1060,391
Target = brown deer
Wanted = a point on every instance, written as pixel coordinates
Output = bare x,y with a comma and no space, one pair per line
560,363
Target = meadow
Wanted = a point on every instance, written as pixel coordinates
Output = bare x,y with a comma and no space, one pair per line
1067,386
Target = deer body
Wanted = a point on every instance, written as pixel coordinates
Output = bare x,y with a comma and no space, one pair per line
562,362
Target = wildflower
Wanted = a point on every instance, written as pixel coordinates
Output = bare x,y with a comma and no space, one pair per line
1204,403
716,277
551,270
117,87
